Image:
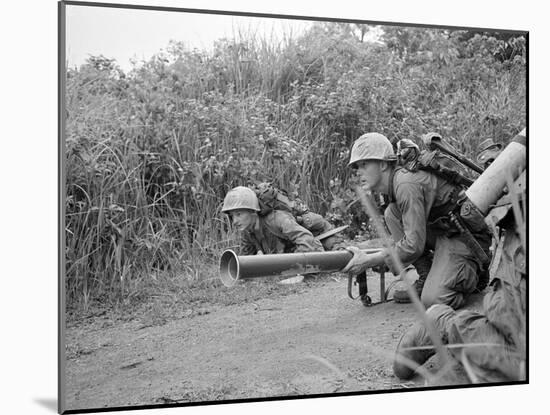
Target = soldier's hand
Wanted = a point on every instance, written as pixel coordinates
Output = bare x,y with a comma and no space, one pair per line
358,263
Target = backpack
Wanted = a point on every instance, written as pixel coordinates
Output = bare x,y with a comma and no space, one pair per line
270,198
413,159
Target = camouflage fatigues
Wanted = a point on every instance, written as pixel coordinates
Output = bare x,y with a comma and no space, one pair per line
500,331
493,342
317,225
417,223
276,233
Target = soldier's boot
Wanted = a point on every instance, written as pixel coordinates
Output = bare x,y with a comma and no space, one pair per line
422,265
413,350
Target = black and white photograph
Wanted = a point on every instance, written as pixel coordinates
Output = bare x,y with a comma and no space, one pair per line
261,206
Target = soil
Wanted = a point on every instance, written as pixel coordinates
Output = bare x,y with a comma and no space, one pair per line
313,340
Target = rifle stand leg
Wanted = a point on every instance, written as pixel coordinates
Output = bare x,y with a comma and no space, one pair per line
382,287
361,280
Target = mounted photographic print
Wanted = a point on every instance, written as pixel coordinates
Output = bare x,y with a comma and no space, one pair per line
264,207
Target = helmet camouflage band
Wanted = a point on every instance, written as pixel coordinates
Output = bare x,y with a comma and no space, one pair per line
240,197
371,146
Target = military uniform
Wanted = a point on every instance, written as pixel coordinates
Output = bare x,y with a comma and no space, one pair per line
496,338
416,218
317,225
278,232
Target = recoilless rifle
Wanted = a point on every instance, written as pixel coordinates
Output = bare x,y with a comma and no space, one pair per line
481,193
234,268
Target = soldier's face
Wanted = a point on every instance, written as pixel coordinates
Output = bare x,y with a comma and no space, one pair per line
243,219
370,174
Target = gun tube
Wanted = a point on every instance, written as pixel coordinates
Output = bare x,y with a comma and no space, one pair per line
509,164
234,267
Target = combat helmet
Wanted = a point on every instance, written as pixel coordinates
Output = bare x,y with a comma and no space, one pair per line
241,197
488,151
372,146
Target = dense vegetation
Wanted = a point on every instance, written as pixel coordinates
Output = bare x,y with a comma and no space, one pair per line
151,153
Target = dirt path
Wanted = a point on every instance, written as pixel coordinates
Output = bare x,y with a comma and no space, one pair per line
318,341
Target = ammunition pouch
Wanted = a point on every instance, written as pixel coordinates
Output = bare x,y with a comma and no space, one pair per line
462,208
471,216
439,220
443,226
476,231
459,217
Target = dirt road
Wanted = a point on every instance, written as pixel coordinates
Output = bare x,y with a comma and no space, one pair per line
315,341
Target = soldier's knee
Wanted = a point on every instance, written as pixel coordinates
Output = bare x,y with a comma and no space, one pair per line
428,298
448,298
437,310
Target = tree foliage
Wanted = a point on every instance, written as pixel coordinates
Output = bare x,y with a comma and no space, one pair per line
151,153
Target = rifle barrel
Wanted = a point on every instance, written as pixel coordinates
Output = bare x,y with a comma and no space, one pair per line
234,267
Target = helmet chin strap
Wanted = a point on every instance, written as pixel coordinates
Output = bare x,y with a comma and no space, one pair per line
389,186
386,179
256,225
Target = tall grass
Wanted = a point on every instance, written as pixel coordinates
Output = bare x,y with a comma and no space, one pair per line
151,153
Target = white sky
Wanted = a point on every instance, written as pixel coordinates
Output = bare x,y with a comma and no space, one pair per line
124,34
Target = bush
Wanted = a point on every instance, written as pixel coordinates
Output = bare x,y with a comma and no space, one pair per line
151,153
